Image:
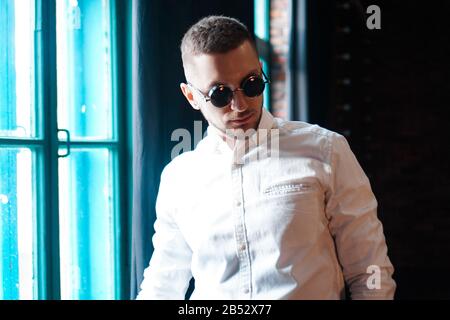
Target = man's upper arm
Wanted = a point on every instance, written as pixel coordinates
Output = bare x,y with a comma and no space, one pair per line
169,273
358,234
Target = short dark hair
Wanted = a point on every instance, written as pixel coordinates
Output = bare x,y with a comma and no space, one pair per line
214,34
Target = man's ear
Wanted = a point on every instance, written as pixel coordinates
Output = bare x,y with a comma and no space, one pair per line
187,92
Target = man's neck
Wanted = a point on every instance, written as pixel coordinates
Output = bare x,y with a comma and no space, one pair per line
231,139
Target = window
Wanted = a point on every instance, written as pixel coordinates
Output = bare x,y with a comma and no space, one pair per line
61,162
262,32
18,163
17,68
86,176
16,223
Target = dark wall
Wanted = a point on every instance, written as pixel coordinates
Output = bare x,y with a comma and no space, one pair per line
388,92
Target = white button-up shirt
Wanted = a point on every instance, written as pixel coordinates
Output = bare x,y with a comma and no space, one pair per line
294,223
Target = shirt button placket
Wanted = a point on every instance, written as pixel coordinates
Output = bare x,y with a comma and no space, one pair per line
238,211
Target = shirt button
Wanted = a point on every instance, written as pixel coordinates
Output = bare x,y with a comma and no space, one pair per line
246,291
238,203
242,247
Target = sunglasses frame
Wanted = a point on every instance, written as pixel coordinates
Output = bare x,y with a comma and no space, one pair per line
207,98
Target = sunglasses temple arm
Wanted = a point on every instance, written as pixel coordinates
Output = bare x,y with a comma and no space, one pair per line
265,76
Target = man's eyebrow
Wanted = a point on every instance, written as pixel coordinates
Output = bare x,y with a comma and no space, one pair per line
216,83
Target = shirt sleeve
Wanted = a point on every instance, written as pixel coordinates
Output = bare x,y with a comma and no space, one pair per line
358,233
168,274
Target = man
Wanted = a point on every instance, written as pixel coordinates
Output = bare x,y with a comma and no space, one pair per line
298,223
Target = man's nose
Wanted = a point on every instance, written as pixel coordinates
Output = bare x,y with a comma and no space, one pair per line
238,102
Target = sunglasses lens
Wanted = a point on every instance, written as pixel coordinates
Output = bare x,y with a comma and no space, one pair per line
221,96
253,87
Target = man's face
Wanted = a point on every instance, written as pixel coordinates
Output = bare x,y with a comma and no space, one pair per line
230,69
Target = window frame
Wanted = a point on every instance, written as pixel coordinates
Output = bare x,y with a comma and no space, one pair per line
46,145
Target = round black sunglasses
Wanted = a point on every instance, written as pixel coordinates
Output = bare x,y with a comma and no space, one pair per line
221,95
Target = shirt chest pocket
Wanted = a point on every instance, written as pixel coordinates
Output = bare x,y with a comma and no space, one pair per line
294,197
294,208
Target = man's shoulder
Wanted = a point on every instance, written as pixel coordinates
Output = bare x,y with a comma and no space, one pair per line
300,136
289,127
181,164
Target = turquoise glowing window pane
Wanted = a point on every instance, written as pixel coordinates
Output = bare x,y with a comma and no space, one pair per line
85,108
84,69
262,31
86,213
17,224
17,116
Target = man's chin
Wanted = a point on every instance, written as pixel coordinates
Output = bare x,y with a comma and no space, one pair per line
242,131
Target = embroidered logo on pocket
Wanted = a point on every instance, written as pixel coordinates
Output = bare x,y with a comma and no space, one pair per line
287,189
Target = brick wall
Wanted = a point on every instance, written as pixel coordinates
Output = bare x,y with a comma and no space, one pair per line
279,39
